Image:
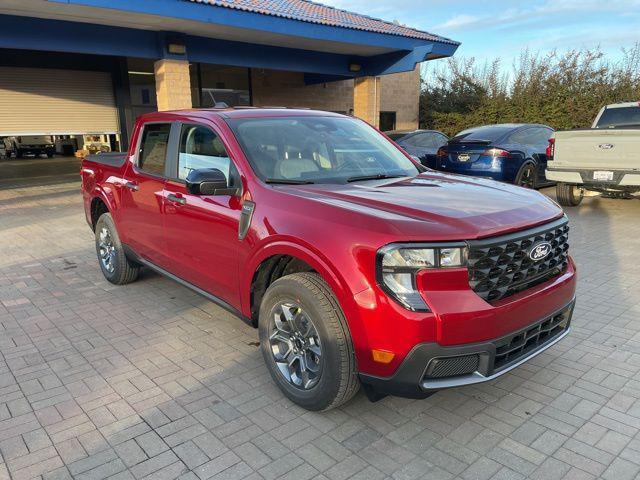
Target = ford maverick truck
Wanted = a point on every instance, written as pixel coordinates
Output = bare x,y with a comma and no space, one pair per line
604,158
357,265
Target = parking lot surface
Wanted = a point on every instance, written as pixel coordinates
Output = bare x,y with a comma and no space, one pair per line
151,380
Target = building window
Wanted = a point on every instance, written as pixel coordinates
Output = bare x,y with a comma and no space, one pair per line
142,86
146,96
387,121
215,84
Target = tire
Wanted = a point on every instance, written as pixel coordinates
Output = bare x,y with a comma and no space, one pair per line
49,155
19,154
118,270
566,194
526,176
336,382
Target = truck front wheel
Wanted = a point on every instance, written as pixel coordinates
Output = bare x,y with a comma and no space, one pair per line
306,343
115,265
569,195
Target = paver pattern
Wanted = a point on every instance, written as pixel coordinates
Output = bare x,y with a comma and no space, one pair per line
153,381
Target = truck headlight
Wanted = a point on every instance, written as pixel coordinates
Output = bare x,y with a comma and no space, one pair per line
398,265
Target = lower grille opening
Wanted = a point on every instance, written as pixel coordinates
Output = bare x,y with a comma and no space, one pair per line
519,345
452,366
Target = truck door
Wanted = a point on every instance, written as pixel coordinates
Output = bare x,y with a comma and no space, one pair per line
201,231
142,194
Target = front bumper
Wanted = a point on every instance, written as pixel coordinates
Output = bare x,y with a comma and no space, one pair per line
430,367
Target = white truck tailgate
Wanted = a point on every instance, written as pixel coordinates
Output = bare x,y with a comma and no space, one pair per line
617,149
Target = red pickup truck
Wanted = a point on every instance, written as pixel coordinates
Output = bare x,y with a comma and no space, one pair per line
357,265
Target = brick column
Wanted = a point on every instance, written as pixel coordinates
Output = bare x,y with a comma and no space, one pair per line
173,84
366,99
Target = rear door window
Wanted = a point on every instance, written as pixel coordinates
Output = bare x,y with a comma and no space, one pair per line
153,148
430,140
531,137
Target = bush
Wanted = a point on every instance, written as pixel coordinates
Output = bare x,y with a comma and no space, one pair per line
562,90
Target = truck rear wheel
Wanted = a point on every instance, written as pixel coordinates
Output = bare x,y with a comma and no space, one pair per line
306,343
115,265
569,195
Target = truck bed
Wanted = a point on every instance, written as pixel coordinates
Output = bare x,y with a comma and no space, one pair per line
112,159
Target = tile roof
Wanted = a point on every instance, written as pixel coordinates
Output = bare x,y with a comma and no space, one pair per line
308,11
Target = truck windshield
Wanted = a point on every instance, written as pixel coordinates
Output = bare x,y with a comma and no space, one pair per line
619,117
318,150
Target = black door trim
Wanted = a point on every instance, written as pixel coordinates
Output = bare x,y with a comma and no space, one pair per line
217,300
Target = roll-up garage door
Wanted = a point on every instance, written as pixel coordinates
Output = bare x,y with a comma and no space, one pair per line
39,101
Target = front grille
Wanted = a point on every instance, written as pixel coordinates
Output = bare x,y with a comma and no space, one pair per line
452,366
501,266
518,345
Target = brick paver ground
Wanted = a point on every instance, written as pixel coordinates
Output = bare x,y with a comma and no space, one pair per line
152,381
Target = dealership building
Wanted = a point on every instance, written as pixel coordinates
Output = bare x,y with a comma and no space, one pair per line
90,67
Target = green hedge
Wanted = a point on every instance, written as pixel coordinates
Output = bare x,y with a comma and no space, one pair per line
563,90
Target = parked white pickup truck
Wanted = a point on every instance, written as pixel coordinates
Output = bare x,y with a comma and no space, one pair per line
604,158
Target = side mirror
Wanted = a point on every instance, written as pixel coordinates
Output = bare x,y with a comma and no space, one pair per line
208,181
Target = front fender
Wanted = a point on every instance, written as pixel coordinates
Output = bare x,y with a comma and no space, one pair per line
336,279
285,246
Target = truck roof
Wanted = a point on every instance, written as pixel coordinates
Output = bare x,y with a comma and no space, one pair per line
623,105
241,112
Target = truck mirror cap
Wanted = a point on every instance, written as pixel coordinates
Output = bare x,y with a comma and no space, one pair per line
208,181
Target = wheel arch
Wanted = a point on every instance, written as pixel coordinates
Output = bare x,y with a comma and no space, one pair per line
282,258
101,202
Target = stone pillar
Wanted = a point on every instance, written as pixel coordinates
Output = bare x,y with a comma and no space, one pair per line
366,99
173,84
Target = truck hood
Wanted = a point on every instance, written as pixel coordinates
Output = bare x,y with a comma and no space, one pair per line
451,207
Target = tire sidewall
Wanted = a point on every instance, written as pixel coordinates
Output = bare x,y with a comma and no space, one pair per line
323,393
105,221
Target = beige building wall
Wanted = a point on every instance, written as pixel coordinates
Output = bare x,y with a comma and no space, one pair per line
400,93
276,88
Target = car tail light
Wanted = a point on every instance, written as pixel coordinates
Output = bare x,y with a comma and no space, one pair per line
442,152
551,148
495,152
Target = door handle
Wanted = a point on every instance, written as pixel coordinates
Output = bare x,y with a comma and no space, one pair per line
175,199
132,186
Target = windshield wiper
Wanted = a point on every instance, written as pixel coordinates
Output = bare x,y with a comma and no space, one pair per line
286,181
379,176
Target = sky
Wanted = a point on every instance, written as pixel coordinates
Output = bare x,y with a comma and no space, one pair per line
490,29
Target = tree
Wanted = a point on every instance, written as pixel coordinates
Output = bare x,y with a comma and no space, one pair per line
562,90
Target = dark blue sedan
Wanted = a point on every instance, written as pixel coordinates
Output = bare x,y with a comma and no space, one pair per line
514,153
422,144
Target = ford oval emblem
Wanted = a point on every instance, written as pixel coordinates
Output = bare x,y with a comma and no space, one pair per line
540,251
606,146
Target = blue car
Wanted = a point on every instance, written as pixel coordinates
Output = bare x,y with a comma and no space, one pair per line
423,144
513,153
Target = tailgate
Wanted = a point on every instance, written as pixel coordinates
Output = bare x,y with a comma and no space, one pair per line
597,149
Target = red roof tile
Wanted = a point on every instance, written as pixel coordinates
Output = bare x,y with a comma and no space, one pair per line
307,11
